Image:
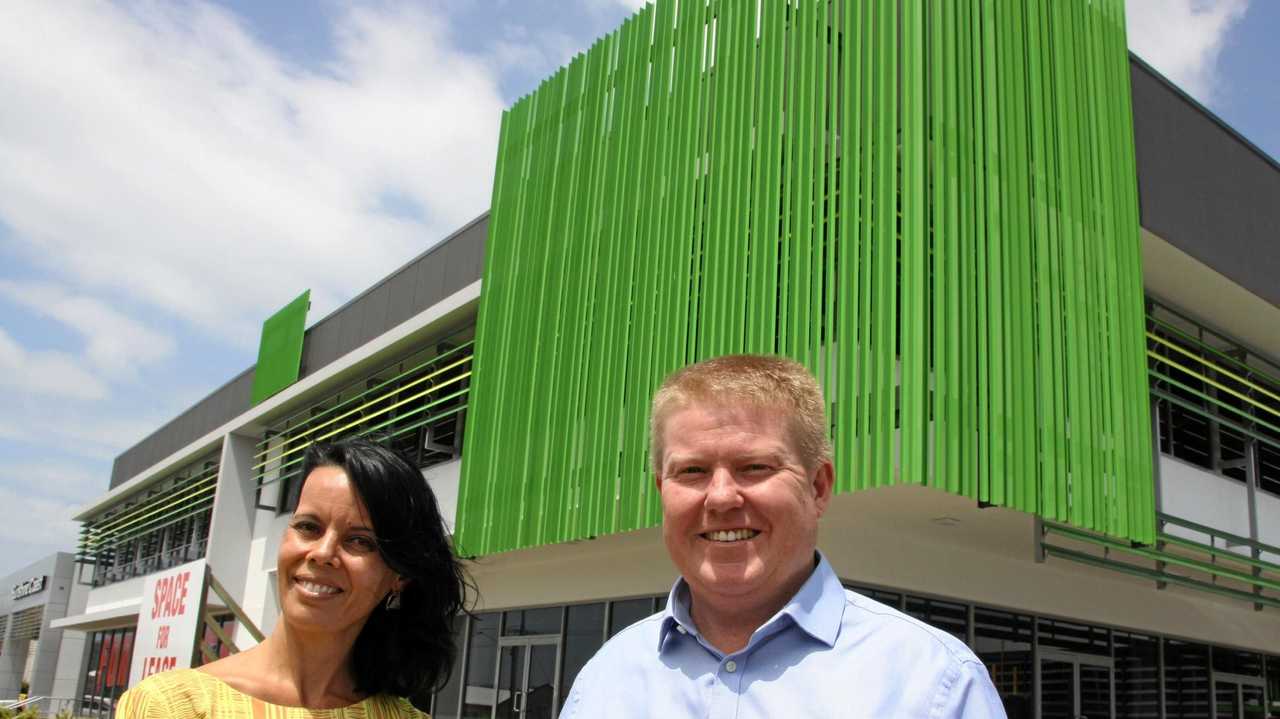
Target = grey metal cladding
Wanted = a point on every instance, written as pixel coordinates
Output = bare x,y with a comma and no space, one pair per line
348,327
429,278
1203,187
198,420
432,276
373,316
400,296
321,344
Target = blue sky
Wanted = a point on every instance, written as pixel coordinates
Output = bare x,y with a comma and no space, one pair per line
173,172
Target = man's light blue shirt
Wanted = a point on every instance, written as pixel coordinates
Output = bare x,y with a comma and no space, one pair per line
829,652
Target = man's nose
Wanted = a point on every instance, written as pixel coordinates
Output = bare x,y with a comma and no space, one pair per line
722,492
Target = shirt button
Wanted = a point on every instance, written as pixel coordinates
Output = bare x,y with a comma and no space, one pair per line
681,629
731,666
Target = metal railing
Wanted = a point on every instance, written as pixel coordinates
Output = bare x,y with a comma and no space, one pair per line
1180,561
51,708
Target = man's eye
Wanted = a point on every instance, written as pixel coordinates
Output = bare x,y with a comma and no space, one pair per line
690,471
757,467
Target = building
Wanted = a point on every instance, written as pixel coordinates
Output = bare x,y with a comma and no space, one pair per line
29,647
1073,466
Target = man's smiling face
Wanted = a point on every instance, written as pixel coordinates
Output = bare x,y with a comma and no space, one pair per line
740,509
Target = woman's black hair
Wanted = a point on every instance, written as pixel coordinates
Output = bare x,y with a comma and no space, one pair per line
409,651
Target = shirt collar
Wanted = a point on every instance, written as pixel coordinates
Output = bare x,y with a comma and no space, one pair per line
817,608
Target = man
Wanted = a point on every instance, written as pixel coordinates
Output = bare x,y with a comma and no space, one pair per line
758,624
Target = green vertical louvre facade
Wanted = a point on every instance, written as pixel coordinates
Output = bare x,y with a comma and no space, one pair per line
932,204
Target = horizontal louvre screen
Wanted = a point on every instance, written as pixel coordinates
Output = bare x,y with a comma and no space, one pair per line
155,528
415,405
26,624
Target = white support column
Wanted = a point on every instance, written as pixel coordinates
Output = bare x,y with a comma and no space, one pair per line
233,516
44,667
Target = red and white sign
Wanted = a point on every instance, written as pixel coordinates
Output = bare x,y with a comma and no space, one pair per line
168,621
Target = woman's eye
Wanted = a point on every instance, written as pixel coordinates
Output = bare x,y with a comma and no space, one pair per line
364,544
306,527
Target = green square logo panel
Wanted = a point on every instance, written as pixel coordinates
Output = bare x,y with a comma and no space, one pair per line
280,351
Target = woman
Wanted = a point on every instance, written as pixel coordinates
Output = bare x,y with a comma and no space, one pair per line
369,588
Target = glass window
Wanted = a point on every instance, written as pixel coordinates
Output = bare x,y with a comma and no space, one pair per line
1137,663
1235,661
107,671
91,667
1003,642
227,623
1273,685
583,635
1186,680
628,612
290,491
525,622
1072,637
1268,465
445,704
892,599
950,617
482,659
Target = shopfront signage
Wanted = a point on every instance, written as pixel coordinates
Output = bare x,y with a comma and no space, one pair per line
27,587
168,621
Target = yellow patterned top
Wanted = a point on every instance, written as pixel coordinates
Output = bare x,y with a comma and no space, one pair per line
191,694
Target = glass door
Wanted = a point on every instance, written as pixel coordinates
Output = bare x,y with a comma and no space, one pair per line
1057,689
1076,686
526,679
1095,690
1237,697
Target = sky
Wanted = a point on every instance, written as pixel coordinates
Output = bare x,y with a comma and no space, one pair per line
171,173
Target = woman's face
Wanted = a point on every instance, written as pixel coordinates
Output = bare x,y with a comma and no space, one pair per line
331,575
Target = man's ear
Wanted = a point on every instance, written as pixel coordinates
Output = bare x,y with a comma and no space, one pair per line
399,583
824,478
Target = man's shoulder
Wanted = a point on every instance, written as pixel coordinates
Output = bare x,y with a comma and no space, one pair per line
873,624
629,643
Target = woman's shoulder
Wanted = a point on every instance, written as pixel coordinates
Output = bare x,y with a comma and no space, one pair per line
178,693
195,694
389,706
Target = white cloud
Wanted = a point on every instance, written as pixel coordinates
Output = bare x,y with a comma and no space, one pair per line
161,153
1183,38
34,526
604,5
45,373
535,55
53,477
116,344
67,426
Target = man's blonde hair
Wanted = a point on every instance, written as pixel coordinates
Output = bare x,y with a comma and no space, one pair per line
756,380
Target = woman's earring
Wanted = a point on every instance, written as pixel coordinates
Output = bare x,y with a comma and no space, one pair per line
393,599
